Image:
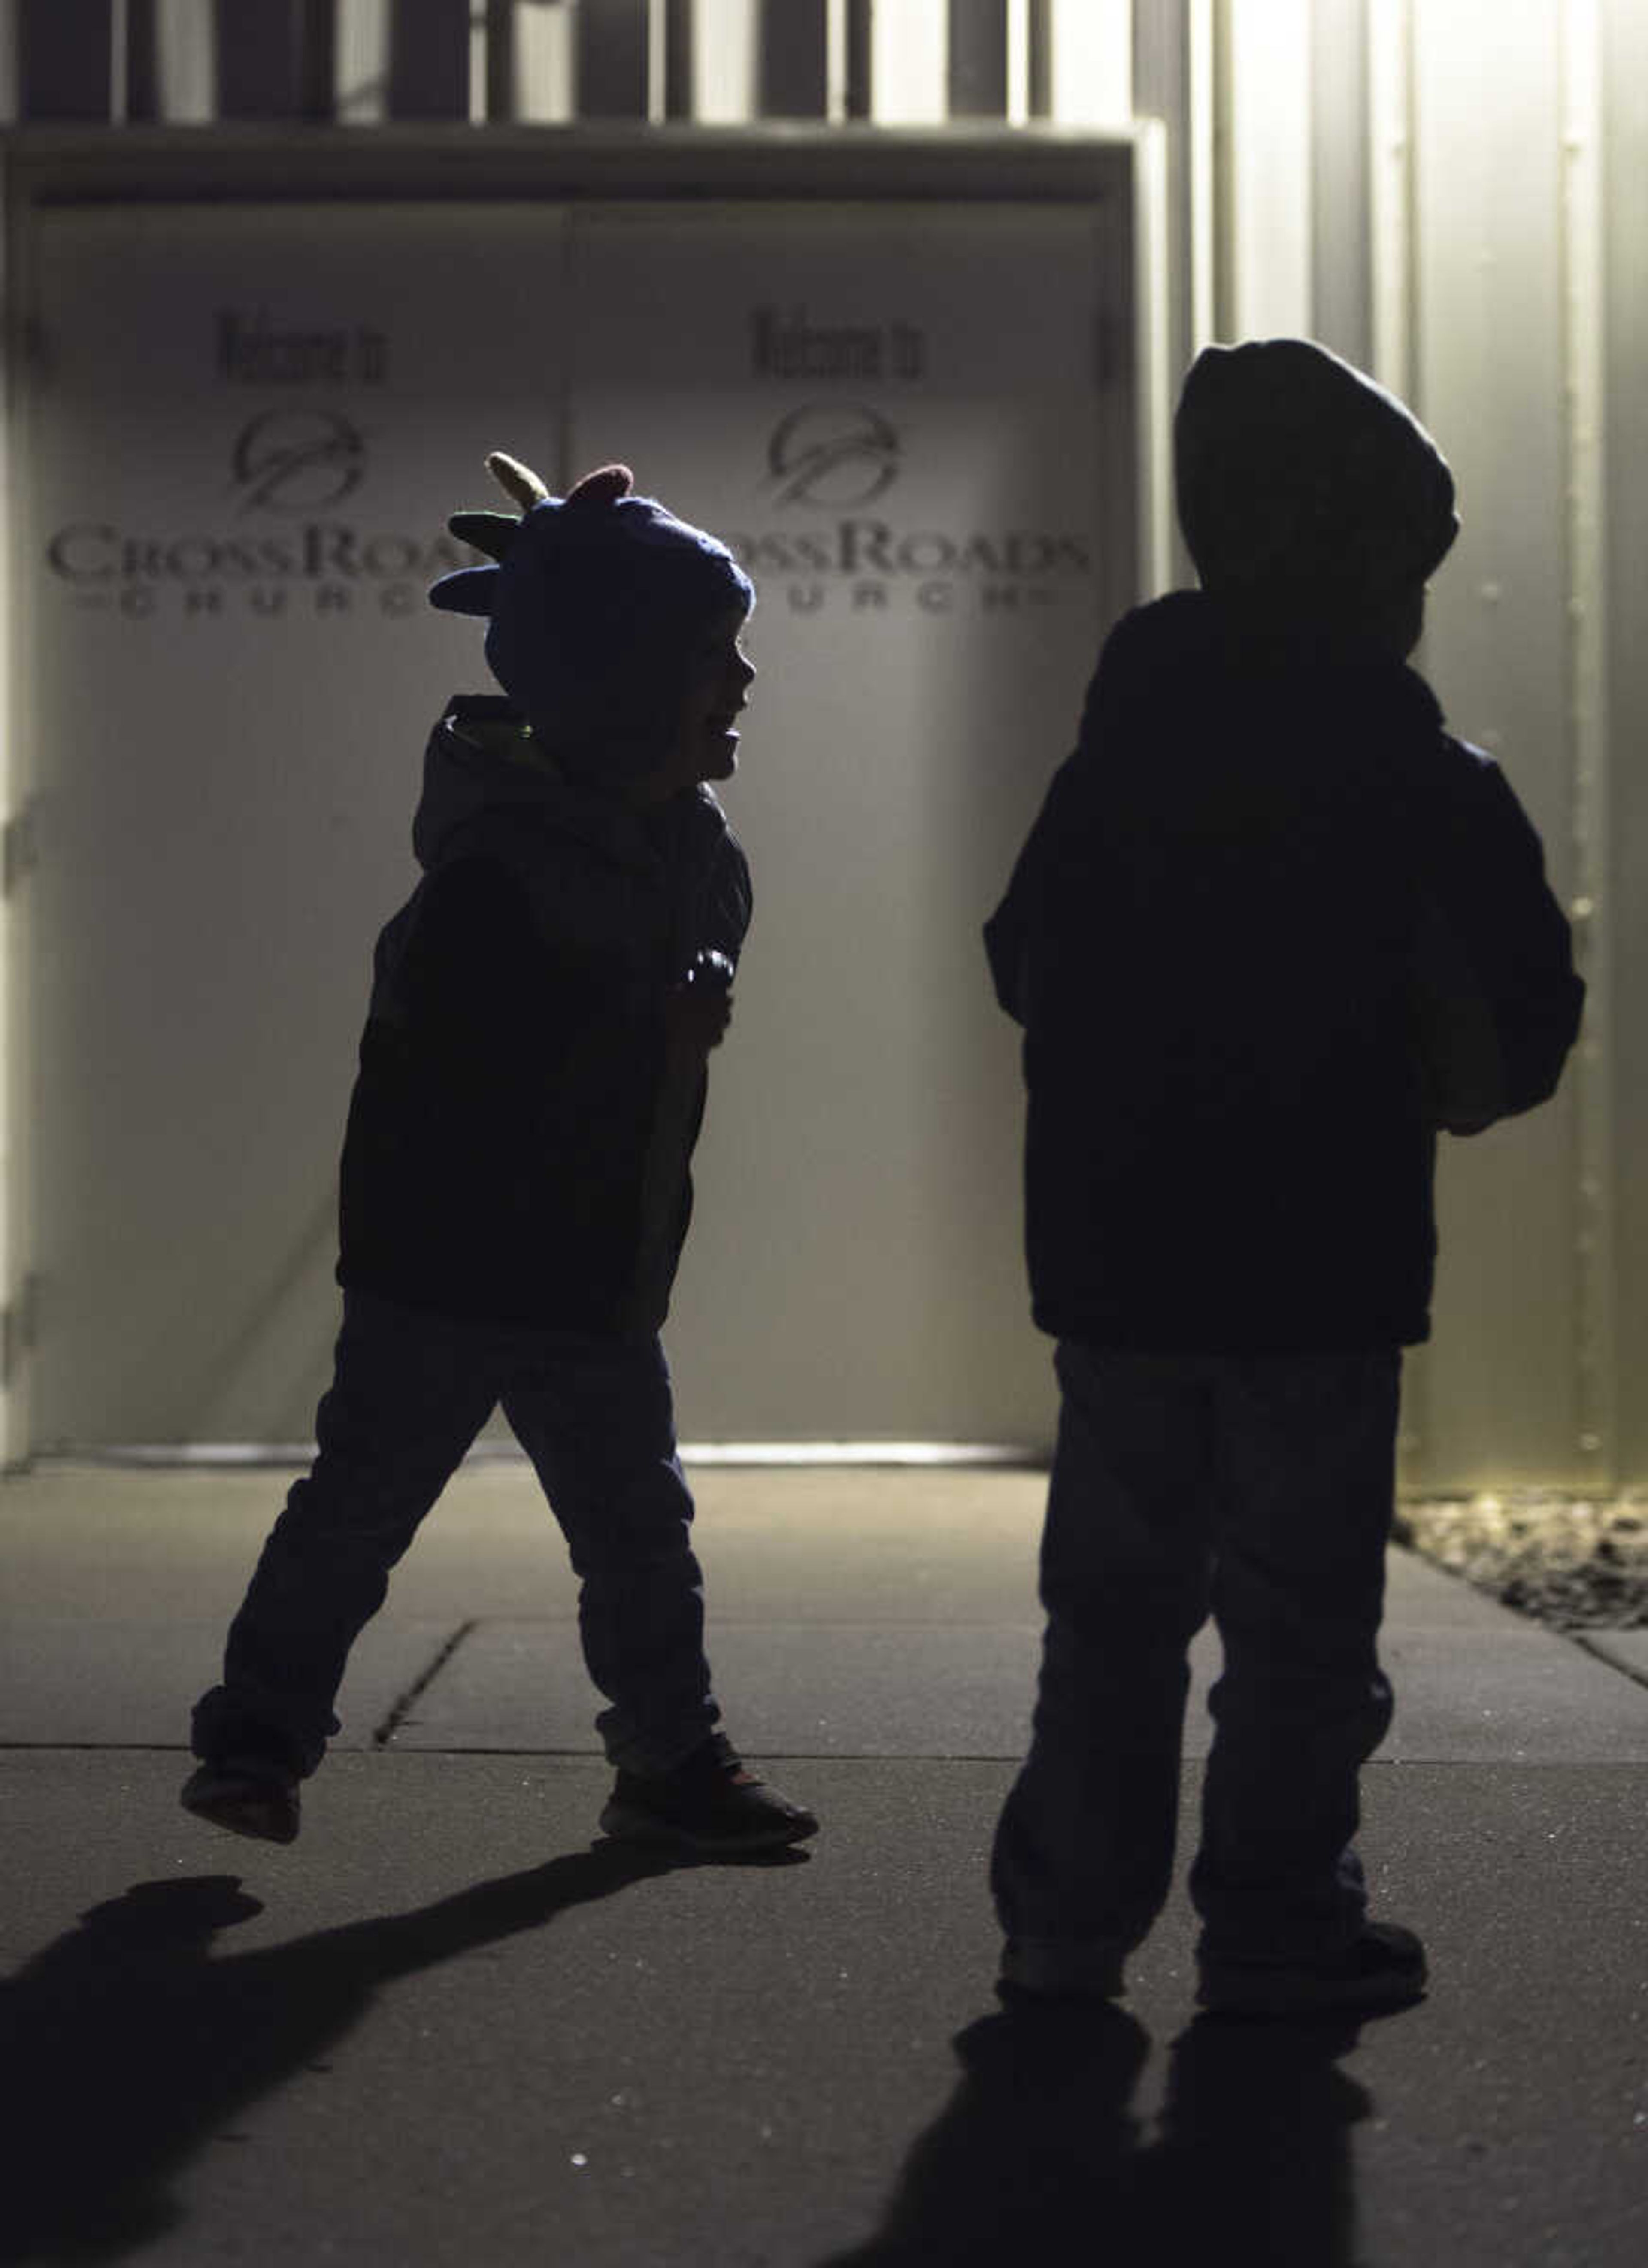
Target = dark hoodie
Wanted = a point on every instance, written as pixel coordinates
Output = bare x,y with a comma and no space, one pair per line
517,1149
1272,927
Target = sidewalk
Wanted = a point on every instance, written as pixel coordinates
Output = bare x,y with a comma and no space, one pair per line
449,2029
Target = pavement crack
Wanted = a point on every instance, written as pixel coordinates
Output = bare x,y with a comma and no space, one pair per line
402,1706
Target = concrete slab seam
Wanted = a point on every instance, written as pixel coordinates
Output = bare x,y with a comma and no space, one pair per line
402,1707
1610,1662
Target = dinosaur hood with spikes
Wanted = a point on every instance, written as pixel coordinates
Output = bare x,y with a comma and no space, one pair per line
594,605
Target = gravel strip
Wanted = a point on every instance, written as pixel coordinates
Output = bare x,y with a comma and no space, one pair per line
1573,1563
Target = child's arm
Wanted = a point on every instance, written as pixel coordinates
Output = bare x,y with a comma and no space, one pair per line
1459,1051
1009,930
1497,999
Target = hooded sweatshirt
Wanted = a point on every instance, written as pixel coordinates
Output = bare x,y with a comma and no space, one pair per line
519,1134
1271,916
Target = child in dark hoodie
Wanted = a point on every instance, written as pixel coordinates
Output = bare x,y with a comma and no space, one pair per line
1273,928
515,1186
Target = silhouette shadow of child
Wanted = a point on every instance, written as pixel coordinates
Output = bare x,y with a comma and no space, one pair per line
127,2046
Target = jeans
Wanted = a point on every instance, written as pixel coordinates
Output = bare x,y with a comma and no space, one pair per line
410,1393
1259,1487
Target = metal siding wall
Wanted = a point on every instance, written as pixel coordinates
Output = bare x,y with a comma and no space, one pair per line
1625,119
1435,243
15,1255
1341,233
1266,176
1584,357
1497,1389
1172,81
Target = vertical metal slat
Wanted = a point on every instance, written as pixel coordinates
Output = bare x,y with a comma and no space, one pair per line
1584,256
1341,235
978,59
428,59
500,99
725,45
360,69
278,60
142,70
542,61
678,58
64,52
1081,57
794,59
612,57
909,50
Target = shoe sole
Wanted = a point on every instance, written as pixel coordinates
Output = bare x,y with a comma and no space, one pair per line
627,1826
1013,1993
245,1816
1302,1995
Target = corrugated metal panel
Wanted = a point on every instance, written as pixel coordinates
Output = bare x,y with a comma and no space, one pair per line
1624,122
721,62
1174,81
1503,1402
1584,332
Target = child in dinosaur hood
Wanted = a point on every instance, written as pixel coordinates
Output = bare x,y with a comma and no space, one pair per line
515,1186
1272,929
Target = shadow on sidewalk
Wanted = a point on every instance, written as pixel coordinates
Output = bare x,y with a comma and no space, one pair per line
124,2048
1037,2156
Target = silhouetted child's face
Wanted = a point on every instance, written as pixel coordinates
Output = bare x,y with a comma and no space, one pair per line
716,688
1396,625
718,680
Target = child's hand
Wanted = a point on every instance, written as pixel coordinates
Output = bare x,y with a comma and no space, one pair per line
696,1018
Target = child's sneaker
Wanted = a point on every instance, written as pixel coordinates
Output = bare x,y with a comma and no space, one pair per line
1382,1968
249,1795
709,1803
